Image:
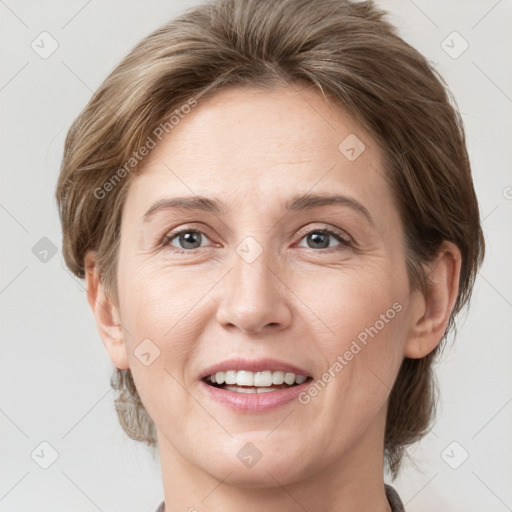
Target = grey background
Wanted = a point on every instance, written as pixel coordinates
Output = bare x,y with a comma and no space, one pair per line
54,371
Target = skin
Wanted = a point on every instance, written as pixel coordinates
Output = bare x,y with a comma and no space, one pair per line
298,302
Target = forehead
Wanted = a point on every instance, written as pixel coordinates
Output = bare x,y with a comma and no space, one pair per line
252,147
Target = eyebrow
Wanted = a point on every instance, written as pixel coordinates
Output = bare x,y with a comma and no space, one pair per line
298,203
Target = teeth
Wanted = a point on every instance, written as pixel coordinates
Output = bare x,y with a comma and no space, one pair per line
263,379
249,390
245,378
277,378
231,377
289,378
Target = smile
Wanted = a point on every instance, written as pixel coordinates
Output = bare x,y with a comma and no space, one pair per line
254,392
244,381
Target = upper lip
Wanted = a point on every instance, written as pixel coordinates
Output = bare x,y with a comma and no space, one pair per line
253,365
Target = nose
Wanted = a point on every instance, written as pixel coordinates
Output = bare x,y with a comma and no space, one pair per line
255,297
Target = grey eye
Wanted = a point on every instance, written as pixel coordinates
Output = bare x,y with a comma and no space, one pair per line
187,239
320,239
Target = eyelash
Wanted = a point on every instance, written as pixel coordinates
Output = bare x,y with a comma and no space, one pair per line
344,242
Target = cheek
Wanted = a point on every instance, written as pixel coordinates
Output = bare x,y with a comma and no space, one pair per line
346,312
356,301
164,309
159,316
363,346
157,310
159,300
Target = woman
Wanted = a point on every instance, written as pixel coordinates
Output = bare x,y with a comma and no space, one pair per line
272,205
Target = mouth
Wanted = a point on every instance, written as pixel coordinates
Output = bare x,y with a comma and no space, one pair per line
245,381
254,386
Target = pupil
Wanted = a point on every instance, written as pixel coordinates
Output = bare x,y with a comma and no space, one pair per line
188,238
316,236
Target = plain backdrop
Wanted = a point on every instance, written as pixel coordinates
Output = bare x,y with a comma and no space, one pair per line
54,371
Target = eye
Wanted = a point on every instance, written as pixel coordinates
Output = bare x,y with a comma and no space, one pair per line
319,239
189,239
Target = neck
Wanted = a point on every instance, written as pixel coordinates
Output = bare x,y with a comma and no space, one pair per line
353,482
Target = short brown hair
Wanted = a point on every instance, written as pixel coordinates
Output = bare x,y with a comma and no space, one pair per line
350,53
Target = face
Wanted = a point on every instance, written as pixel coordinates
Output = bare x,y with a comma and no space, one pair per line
262,278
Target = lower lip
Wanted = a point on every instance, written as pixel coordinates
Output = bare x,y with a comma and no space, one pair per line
254,402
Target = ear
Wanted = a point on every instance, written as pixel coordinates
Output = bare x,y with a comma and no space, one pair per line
431,312
105,313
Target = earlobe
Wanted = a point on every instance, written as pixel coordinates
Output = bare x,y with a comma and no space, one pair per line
431,312
105,314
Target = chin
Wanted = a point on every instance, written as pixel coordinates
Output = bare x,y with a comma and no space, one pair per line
253,462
